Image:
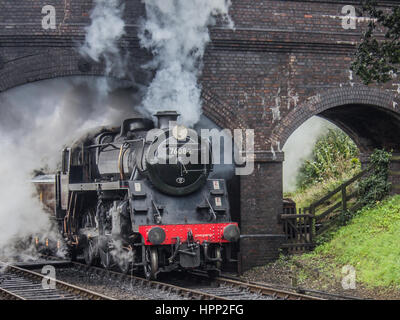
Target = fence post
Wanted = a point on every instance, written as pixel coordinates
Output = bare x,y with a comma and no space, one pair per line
312,228
344,199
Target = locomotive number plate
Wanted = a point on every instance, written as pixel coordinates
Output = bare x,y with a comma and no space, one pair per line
179,151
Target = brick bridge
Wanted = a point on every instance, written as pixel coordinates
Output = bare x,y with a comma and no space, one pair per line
285,62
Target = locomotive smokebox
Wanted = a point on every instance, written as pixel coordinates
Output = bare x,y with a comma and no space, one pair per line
165,117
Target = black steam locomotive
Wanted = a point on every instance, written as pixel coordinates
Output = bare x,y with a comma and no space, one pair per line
139,197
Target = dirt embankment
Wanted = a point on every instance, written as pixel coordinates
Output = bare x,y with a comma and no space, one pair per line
290,273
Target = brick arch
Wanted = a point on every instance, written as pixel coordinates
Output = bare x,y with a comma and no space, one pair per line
351,100
219,112
63,63
52,64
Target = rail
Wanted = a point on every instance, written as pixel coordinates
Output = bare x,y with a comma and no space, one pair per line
266,290
135,280
227,289
21,284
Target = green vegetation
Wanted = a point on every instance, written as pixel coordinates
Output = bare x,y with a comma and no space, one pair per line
334,155
375,187
368,239
378,60
369,243
334,160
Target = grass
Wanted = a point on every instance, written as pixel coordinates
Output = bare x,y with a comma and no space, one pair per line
369,243
306,196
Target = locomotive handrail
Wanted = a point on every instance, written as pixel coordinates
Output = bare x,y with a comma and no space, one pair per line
123,149
93,146
120,165
157,215
133,172
214,216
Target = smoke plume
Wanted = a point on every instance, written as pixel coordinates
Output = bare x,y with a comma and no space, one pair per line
32,133
176,32
102,35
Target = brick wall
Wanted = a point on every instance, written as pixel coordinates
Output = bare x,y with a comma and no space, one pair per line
261,202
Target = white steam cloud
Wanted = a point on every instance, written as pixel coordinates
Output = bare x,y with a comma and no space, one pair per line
299,147
176,32
36,121
102,35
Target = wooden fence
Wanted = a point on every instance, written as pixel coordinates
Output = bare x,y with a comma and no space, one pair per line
324,219
303,225
299,231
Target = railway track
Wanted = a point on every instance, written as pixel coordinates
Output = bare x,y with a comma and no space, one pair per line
21,284
189,286
186,293
217,289
233,289
263,291
316,293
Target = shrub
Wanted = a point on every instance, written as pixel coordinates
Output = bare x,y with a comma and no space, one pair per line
334,155
375,186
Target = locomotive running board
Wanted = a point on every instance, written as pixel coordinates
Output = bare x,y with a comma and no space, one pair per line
114,185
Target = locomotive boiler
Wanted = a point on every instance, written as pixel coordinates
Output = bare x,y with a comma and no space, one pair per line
140,197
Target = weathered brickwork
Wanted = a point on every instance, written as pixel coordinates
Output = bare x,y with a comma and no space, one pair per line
284,62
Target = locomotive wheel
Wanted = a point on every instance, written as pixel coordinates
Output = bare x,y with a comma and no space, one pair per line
90,253
151,264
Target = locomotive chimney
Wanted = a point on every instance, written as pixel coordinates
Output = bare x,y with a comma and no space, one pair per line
165,117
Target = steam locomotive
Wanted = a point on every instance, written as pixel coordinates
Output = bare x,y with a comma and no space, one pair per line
139,197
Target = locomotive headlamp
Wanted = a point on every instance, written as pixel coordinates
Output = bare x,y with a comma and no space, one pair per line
231,233
156,235
180,132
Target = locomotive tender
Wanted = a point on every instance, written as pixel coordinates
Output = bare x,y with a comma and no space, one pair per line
139,197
